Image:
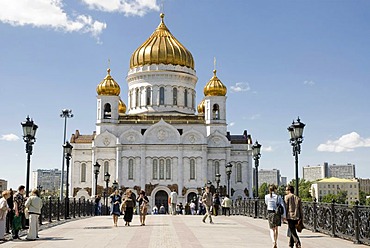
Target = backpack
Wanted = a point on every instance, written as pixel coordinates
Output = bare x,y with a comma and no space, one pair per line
279,208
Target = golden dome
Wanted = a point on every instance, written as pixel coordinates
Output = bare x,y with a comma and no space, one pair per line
121,107
108,86
215,87
201,107
162,48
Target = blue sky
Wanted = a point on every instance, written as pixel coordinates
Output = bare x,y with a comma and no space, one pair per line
278,59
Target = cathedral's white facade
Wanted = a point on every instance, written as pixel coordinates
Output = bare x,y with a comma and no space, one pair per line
162,140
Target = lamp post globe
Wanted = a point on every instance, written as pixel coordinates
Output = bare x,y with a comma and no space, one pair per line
67,149
296,138
256,151
29,137
218,179
115,185
96,172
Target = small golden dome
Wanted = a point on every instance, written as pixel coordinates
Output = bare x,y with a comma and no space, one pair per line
108,86
201,107
215,87
121,107
162,48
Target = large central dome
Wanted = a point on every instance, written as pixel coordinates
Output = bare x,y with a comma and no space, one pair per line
162,48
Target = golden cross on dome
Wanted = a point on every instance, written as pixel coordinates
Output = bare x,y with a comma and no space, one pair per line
214,63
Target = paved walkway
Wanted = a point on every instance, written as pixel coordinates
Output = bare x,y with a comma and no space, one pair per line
172,231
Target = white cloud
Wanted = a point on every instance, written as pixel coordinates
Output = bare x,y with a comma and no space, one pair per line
266,148
47,14
232,124
9,137
128,7
346,143
239,87
255,117
309,82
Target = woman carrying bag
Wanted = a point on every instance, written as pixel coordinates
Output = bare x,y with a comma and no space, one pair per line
275,212
34,205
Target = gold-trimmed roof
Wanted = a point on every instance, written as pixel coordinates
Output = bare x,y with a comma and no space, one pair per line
121,107
215,87
162,48
336,180
108,86
201,107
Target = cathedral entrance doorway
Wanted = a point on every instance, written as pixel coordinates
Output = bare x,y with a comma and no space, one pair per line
192,197
161,198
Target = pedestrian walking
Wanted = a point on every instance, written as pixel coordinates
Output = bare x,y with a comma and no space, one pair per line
143,205
97,205
129,203
193,208
173,198
19,219
216,204
294,214
226,205
10,215
272,201
115,200
34,205
4,209
207,202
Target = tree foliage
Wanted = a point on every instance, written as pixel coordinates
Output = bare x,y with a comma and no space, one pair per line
304,189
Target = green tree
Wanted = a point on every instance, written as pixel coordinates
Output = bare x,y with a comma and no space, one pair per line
367,203
263,190
304,189
329,198
362,198
342,197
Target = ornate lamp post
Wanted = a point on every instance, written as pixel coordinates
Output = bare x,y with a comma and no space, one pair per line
29,136
296,138
106,179
115,185
256,151
66,113
67,148
218,179
228,166
96,172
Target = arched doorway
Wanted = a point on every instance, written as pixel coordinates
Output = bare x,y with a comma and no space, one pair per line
192,197
161,198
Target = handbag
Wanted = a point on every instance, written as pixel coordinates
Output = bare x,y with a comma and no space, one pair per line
279,208
299,226
26,213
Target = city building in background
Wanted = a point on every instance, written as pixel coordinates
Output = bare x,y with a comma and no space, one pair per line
314,173
3,185
48,179
269,176
162,141
364,185
333,185
283,181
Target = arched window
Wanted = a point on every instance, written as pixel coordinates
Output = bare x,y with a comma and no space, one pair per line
106,167
174,96
217,167
238,172
161,96
148,96
192,169
216,112
83,172
137,95
155,169
168,168
186,98
107,111
161,169
130,169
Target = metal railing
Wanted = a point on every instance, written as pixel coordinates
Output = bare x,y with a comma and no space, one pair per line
54,209
351,222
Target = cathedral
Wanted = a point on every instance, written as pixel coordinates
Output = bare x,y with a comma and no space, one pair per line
162,141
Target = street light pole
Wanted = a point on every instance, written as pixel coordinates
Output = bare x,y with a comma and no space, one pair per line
218,179
228,173
96,172
29,136
256,150
66,113
296,139
67,148
106,179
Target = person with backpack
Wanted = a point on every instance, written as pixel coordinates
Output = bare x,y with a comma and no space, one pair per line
275,212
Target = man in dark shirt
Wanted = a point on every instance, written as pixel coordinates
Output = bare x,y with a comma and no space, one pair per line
19,207
10,214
